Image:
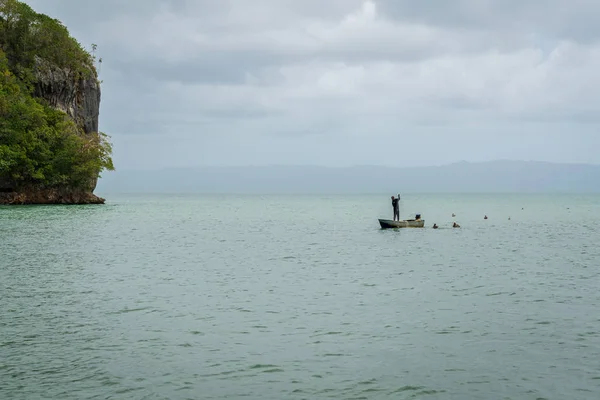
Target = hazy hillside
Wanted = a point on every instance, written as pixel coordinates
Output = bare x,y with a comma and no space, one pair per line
496,176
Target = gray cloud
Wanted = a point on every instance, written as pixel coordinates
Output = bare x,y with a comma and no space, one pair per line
555,19
255,81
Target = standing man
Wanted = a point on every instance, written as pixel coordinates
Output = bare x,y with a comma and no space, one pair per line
396,208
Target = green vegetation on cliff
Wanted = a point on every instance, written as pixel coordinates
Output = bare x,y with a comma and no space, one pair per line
41,145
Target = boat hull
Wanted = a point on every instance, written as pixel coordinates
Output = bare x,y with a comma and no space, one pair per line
407,223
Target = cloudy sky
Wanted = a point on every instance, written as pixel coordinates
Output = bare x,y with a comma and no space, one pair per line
343,82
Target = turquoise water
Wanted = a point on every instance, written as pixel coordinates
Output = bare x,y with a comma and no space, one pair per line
301,297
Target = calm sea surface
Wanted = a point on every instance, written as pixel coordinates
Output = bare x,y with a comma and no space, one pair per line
301,297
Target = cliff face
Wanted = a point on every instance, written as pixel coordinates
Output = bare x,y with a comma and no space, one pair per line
78,97
68,91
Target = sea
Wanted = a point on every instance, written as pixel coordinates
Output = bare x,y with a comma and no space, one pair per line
301,297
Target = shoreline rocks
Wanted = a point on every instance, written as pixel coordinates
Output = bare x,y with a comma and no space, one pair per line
49,196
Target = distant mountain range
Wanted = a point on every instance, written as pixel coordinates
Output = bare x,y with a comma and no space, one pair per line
462,177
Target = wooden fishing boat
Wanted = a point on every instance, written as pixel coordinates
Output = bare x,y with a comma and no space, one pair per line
407,223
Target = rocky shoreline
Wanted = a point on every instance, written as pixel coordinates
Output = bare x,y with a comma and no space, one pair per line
49,196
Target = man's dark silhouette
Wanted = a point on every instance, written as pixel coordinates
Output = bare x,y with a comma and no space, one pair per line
396,208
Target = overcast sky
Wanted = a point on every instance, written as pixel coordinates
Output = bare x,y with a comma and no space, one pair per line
343,82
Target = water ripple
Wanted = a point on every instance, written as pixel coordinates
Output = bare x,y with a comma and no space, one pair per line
221,297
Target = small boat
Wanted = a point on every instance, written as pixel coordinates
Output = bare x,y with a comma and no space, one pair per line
407,223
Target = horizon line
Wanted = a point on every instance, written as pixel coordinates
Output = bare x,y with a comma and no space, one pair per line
461,162
351,193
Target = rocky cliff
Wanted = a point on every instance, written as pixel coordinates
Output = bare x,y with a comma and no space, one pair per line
66,90
78,95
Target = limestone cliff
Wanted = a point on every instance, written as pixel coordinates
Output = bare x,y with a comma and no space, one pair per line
68,91
79,97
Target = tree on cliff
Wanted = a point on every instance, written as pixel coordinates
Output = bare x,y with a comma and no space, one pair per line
39,144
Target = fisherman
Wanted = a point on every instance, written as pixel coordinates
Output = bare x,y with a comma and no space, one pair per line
396,208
